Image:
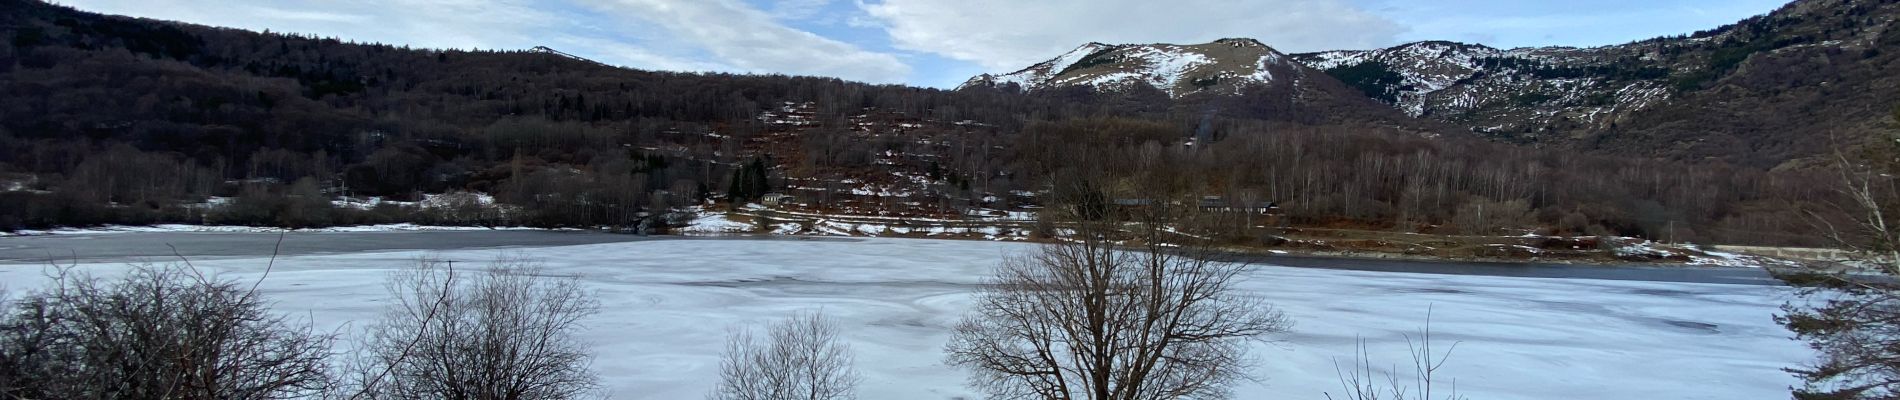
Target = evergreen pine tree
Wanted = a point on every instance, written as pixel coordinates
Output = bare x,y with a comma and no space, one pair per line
757,179
748,182
736,191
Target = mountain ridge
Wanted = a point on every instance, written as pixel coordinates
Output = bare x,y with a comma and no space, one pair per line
1634,98
1224,65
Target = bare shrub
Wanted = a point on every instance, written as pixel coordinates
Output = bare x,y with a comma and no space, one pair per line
1359,380
504,332
799,358
159,332
1088,319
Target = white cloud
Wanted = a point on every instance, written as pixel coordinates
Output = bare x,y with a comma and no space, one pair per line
681,35
751,40
797,9
301,15
460,24
1004,35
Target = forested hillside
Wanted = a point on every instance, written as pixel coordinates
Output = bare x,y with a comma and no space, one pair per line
1776,90
1783,88
145,114
119,120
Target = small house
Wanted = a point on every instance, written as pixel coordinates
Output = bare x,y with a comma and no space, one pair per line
776,199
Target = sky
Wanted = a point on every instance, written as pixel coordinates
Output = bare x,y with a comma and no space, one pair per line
933,43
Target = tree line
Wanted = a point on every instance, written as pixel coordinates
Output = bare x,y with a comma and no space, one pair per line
1352,177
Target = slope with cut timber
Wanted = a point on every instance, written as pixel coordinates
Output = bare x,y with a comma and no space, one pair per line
1225,66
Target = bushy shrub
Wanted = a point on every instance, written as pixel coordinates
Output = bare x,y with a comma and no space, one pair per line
161,331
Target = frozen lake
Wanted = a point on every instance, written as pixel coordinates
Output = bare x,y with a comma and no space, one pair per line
1525,332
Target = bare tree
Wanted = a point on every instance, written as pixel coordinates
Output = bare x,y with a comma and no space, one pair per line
505,333
159,332
1850,313
1088,319
1485,217
800,358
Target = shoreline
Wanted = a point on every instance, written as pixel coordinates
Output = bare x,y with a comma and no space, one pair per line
158,246
1604,258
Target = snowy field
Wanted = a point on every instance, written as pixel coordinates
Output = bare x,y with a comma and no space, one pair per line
667,305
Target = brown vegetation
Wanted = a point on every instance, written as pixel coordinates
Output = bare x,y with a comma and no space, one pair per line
117,120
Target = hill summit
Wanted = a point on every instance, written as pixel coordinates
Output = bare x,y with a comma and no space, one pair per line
1225,66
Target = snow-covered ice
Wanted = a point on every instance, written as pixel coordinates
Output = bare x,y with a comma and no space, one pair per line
716,222
667,305
178,228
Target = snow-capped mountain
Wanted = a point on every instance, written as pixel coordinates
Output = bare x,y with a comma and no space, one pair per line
1226,66
1753,91
1509,92
1753,87
1494,91
1421,69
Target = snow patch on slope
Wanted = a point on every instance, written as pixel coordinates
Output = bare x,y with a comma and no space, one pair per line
1167,68
1178,70
1035,75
